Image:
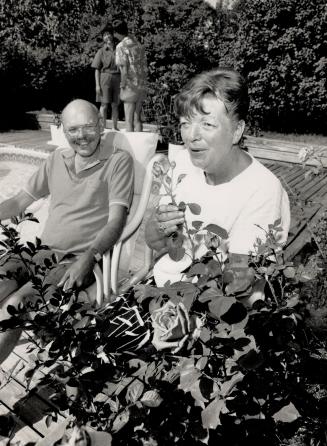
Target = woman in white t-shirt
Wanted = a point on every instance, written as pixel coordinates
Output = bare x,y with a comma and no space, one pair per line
234,190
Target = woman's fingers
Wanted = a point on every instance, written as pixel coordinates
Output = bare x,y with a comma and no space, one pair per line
168,218
169,226
166,213
162,208
171,230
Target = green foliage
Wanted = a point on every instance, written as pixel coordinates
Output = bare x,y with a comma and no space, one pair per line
195,356
181,39
47,48
281,48
279,45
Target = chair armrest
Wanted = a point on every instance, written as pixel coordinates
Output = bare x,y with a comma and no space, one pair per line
99,282
106,259
135,222
140,274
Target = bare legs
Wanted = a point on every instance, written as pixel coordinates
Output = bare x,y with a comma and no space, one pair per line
103,112
133,116
137,117
9,339
129,108
114,115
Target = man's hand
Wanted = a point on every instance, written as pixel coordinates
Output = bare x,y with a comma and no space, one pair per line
77,273
98,90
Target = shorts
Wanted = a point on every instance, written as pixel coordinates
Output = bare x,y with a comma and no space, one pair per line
110,86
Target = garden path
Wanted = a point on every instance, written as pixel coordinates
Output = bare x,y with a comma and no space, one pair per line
27,410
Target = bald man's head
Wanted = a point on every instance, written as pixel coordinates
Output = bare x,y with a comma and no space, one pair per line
82,126
79,107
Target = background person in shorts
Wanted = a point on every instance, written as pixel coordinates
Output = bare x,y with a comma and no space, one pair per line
131,60
107,79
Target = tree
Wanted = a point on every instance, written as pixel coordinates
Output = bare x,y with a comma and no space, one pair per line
281,48
181,39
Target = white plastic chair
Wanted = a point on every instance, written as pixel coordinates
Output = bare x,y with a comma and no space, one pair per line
141,147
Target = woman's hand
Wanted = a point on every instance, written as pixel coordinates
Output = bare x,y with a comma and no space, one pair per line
168,218
164,221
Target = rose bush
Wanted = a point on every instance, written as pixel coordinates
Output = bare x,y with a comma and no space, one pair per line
185,363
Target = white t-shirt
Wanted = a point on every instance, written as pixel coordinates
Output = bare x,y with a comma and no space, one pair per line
253,198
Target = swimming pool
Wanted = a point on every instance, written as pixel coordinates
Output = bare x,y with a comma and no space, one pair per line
16,167
13,176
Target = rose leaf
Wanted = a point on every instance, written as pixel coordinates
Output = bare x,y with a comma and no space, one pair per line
120,421
287,414
218,230
194,208
211,414
250,360
177,253
134,391
236,313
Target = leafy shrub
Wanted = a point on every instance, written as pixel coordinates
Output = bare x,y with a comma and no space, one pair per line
47,50
181,39
186,363
54,46
279,45
281,48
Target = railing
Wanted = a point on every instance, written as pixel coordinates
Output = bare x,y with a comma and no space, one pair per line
281,150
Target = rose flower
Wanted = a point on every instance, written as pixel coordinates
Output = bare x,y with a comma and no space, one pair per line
172,326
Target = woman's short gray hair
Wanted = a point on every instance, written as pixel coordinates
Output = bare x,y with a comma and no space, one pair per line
223,83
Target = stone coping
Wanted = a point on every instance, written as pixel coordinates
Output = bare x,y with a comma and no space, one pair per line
12,153
46,119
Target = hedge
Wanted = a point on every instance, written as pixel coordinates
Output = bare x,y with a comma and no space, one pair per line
279,45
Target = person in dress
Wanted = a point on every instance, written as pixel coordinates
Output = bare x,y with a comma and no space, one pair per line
132,62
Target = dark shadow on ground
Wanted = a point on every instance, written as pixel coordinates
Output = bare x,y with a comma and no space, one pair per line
17,120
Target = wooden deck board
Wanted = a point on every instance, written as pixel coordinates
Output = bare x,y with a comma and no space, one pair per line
289,177
20,431
314,190
32,406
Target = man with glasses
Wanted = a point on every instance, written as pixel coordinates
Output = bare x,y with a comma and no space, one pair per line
90,187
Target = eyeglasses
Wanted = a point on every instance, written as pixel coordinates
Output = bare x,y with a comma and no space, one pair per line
90,129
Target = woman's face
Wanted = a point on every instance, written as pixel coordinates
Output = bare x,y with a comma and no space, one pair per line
209,137
107,39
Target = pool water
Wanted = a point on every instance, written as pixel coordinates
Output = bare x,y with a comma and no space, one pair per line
13,176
